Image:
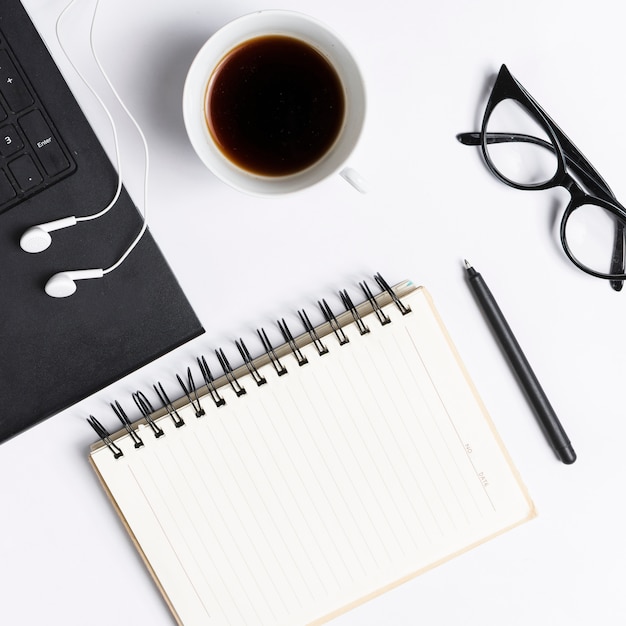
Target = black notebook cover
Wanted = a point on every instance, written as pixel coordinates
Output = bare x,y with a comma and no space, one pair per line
55,352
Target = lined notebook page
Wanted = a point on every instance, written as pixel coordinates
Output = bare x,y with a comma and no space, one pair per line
323,487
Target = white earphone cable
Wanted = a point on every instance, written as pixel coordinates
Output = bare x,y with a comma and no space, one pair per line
115,135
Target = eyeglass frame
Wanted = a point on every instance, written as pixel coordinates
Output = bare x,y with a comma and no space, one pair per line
568,156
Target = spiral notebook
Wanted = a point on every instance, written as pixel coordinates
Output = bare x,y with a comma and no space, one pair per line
342,462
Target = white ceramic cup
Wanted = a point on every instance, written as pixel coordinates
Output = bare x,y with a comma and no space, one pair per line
320,37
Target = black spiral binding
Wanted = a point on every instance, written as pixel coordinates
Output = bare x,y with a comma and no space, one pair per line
210,382
271,353
358,320
332,320
105,435
383,318
167,403
117,409
317,342
143,404
385,285
192,393
230,373
291,342
249,362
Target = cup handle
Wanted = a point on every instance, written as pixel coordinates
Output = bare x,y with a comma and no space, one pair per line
354,178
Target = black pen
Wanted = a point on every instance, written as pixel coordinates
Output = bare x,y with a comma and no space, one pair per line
547,417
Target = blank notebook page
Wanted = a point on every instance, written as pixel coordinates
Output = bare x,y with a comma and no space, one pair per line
323,487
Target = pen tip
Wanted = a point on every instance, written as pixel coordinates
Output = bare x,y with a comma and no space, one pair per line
467,264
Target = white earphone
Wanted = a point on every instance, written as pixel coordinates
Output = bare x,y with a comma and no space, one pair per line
37,238
63,284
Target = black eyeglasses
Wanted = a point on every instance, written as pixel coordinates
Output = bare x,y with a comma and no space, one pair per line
538,155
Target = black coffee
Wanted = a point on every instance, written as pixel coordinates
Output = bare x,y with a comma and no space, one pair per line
275,105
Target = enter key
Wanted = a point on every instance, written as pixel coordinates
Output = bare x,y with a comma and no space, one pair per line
44,143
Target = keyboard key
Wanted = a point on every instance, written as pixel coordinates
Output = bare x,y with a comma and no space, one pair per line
10,141
44,143
13,88
26,173
6,189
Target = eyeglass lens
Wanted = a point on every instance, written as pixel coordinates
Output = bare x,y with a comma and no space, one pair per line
590,233
522,162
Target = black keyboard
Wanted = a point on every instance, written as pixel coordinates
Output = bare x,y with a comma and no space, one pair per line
32,154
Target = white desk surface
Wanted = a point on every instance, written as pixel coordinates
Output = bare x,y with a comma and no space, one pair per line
64,556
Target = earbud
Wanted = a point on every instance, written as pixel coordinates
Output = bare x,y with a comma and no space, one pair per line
62,284
37,238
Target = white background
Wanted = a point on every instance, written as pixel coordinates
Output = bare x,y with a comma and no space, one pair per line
64,556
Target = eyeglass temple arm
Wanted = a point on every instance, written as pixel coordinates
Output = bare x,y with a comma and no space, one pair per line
590,179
